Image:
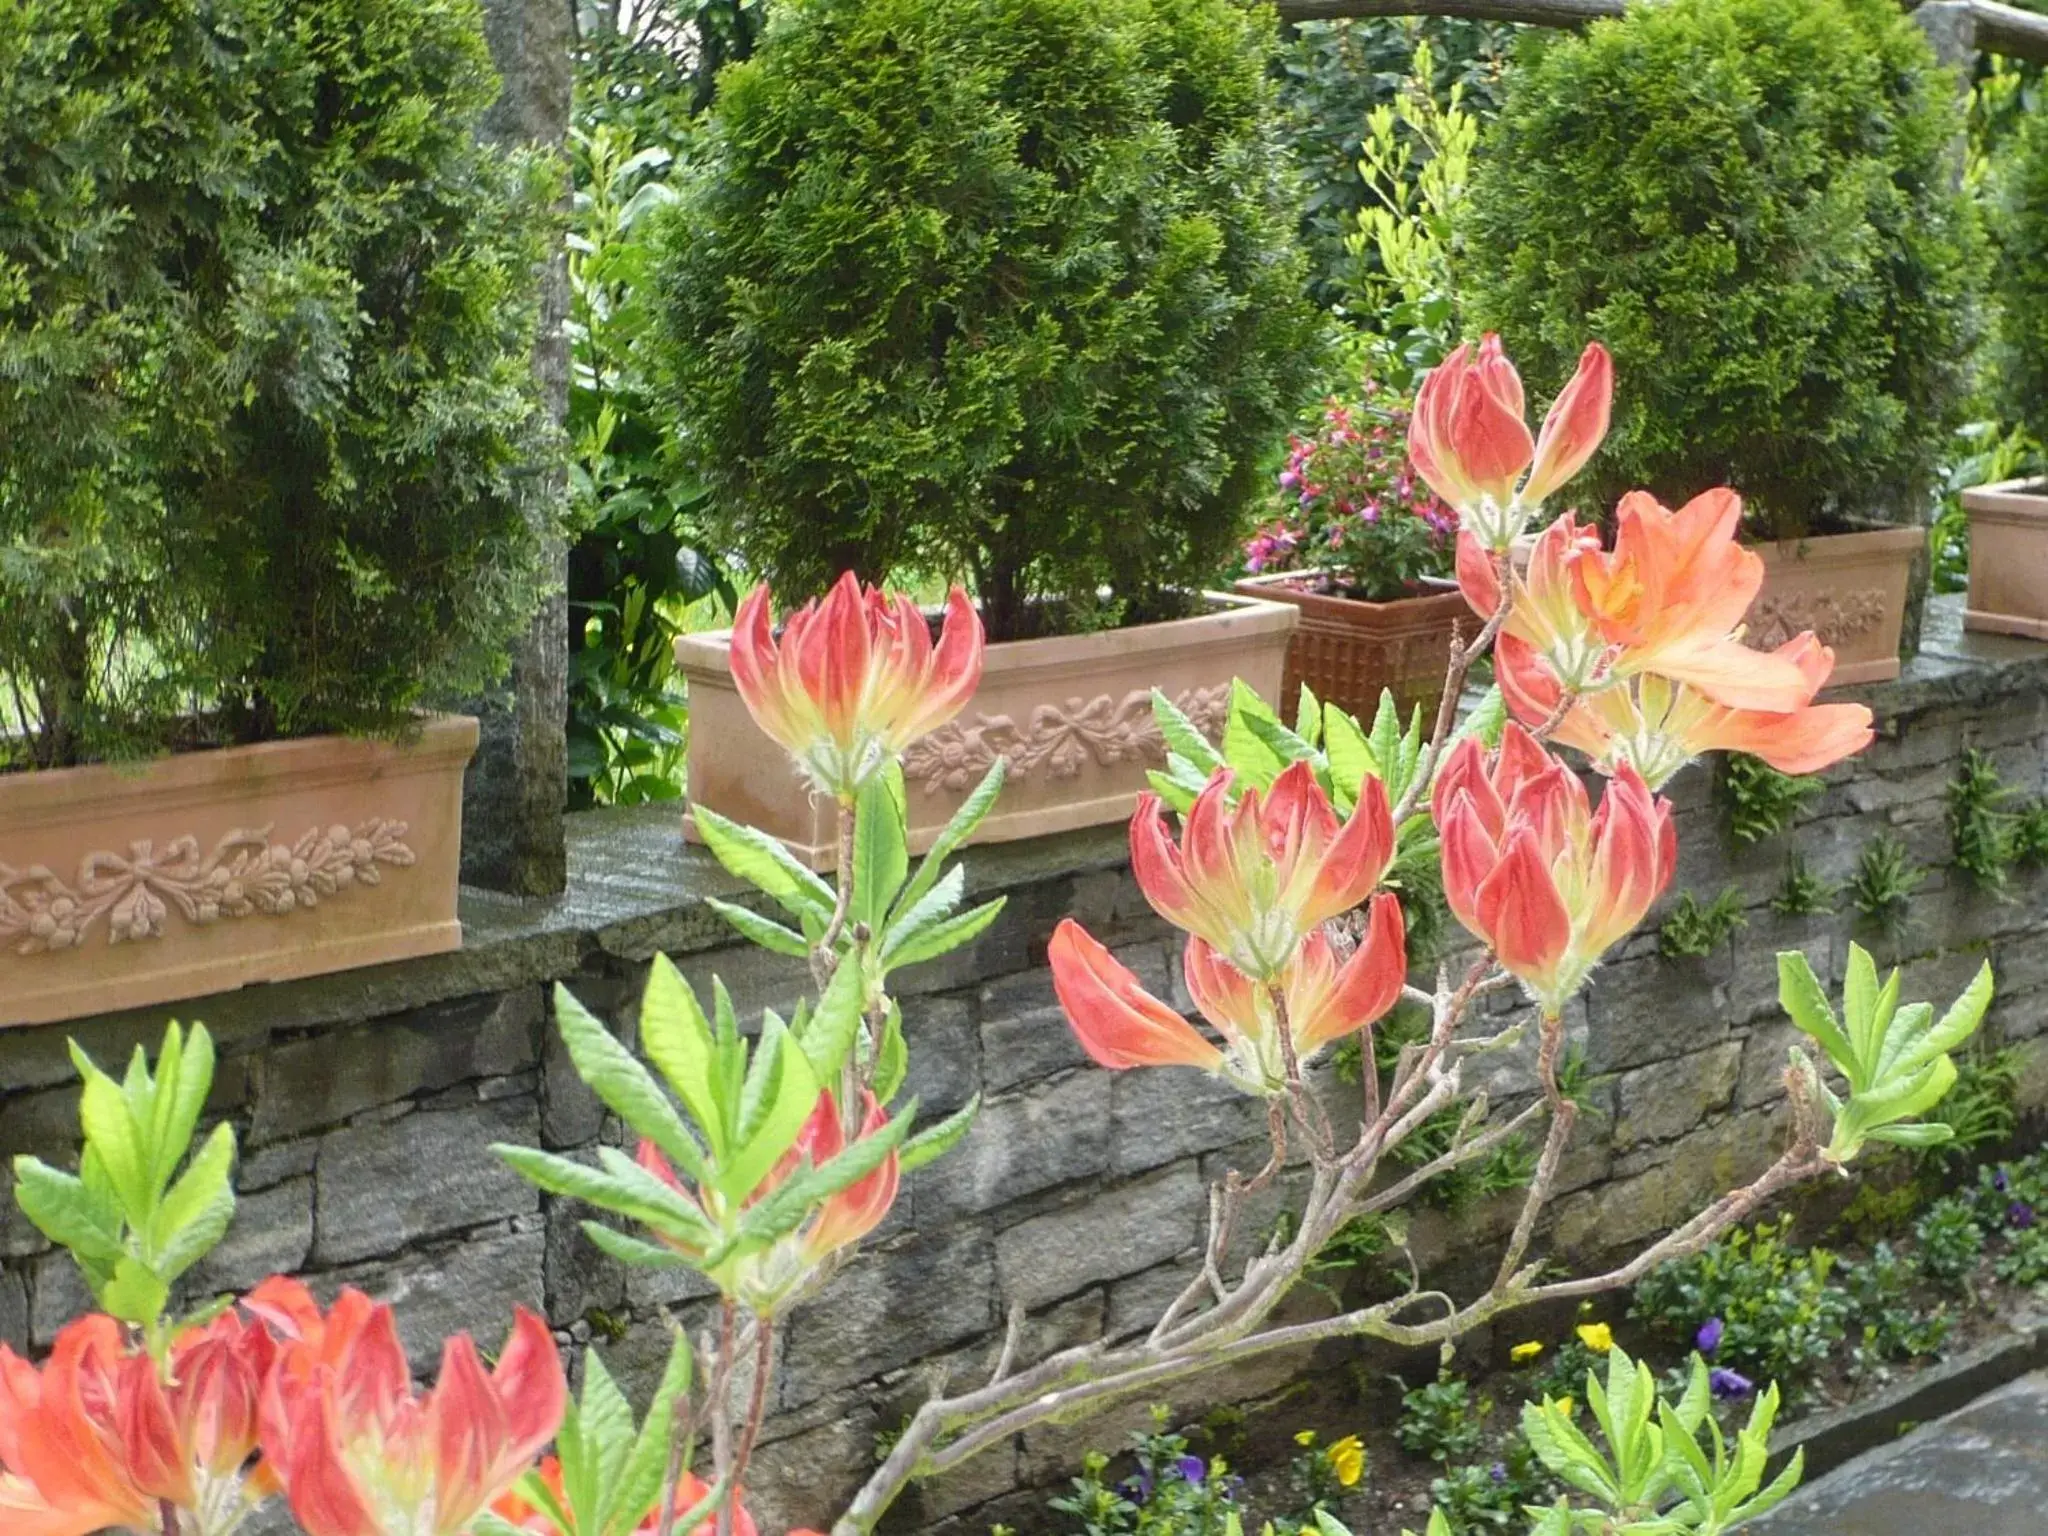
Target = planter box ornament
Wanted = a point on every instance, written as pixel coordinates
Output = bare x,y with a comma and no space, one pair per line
122,886
1848,588
1071,716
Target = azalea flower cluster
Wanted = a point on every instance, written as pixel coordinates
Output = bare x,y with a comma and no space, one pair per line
1353,510
279,1397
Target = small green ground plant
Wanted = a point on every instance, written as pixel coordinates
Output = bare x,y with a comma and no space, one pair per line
1693,930
1802,893
1882,888
1761,802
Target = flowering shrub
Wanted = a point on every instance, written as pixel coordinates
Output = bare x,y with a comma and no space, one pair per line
761,1159
1353,510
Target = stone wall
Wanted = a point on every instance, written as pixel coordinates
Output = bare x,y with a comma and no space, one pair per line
367,1102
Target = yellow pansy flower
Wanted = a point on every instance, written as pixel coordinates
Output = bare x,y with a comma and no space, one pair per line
1305,1437
1347,1460
1597,1337
1525,1352
1567,1406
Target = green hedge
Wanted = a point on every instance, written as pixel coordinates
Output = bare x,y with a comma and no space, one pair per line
271,452
2022,278
1004,288
1754,204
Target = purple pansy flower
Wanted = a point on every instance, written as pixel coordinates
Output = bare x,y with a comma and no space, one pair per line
1192,1469
1708,1339
2000,1181
2020,1214
1727,1383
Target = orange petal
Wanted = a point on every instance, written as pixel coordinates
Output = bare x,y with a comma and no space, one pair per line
1116,1020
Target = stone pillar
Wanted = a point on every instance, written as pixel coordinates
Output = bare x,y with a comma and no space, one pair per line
518,785
1951,25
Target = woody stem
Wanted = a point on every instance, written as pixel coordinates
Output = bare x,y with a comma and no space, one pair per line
757,1399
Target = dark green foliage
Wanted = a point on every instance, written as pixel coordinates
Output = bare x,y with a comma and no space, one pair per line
1332,74
2021,277
1884,882
1002,288
1950,1242
1781,1315
1157,1498
1760,801
1696,931
1980,831
1442,1419
1491,1496
652,65
1752,202
272,446
1802,893
1981,1110
1887,1322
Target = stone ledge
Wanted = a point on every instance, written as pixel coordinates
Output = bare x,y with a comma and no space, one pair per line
635,887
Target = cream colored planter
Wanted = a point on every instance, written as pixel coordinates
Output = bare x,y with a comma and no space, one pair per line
2008,558
126,886
1071,715
1848,588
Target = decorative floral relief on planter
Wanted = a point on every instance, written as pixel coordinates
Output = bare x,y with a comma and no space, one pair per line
1058,740
245,874
1833,616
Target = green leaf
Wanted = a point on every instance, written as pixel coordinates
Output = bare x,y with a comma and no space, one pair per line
630,1250
764,931
65,1211
639,1485
1800,995
930,910
943,937
1350,756
933,1143
881,849
762,861
1308,717
1244,748
677,1038
661,1208
781,1092
827,1036
115,1139
184,1079
956,832
784,1210
195,1215
137,1294
892,1062
625,1086
1182,737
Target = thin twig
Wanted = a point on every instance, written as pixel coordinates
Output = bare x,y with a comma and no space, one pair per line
757,1400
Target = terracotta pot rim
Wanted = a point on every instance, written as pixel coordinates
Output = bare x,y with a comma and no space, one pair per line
1832,547
1232,618
1278,581
2023,501
94,791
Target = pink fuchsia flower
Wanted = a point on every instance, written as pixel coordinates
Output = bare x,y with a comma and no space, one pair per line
855,678
1530,868
1468,437
359,1453
1255,879
1121,1025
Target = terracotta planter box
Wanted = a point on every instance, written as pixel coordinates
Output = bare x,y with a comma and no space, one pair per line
1848,588
1073,716
1347,651
131,885
2008,558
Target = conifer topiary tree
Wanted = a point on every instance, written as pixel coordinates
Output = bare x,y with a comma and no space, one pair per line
1005,288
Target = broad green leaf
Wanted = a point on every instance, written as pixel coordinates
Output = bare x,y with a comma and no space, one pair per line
1308,717
630,1250
65,1211
943,937
931,909
1244,749
196,1213
763,931
180,1102
1800,995
115,1139
935,1142
1957,1024
677,1038
1859,1007
881,849
827,1036
781,1092
1350,757
137,1294
663,1211
625,1086
639,1487
1182,738
892,1063
1284,744
956,832
760,860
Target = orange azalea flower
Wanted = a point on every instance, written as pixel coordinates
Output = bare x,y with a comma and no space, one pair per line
360,1454
767,1278
1657,726
98,1438
1256,879
1122,1025
855,678
1546,616
1468,439
1529,867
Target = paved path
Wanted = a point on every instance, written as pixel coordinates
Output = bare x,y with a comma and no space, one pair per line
1982,1471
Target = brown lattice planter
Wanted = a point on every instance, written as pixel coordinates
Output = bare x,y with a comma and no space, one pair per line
1348,651
2008,558
1072,715
126,886
1848,588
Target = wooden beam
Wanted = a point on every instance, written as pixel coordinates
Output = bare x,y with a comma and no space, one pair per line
2008,29
1540,13
1996,27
